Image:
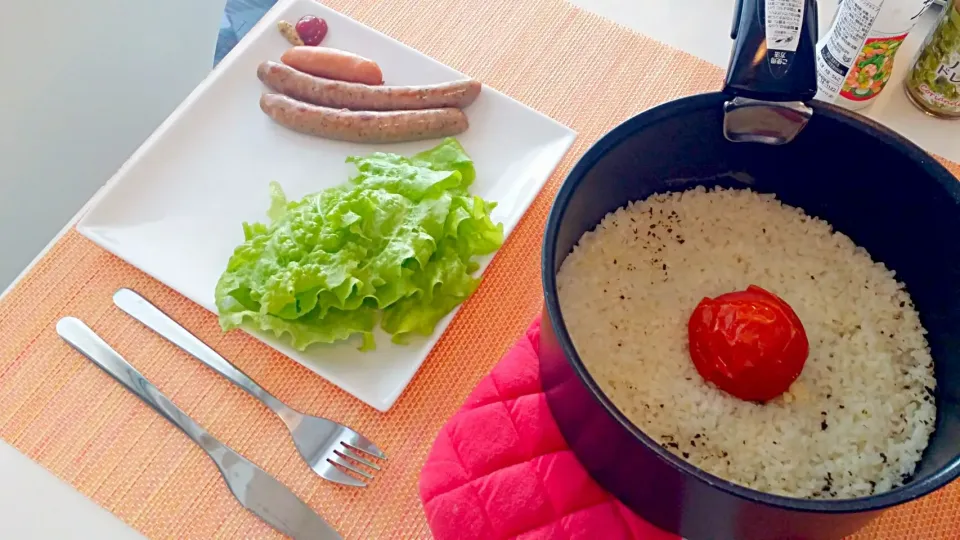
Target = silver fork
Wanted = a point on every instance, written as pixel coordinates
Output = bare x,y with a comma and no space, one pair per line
328,447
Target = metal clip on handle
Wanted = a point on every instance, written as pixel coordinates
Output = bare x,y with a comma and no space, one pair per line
772,71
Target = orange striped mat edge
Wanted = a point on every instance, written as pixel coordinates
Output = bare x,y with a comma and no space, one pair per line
62,412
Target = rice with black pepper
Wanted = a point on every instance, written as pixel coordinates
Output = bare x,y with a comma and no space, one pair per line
856,420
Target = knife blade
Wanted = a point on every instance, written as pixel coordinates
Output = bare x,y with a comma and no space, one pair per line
270,500
256,490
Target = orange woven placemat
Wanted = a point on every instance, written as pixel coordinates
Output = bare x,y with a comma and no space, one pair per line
61,411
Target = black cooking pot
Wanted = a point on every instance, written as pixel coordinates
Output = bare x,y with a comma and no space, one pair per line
882,191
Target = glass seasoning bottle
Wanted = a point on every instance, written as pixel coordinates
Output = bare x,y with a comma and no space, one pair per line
855,56
933,83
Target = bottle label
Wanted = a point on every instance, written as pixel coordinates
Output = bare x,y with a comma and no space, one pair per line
783,20
837,50
946,80
872,68
934,81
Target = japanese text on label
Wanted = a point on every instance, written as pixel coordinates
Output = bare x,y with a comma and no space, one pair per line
783,21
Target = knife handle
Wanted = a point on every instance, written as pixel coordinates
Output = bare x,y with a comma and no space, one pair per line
89,344
155,319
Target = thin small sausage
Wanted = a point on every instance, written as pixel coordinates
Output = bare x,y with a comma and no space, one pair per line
363,126
361,97
333,64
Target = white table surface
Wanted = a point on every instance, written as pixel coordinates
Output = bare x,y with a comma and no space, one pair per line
35,504
106,81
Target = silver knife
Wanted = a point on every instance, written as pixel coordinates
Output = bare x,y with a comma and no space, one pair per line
256,490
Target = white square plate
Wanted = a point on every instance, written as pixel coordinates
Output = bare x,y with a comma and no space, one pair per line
175,209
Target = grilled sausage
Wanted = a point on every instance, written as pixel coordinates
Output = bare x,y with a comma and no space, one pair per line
333,64
361,97
363,126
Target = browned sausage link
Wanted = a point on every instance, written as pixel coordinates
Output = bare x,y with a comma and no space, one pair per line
361,97
363,126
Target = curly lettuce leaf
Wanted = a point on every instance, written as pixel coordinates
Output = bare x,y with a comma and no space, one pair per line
394,246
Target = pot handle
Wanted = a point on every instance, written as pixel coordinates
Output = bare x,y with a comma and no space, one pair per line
774,50
772,70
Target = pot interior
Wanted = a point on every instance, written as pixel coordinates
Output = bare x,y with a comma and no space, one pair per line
884,193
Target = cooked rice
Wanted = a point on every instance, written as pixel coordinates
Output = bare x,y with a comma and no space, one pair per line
859,416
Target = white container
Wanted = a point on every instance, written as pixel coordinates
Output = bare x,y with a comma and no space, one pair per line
855,57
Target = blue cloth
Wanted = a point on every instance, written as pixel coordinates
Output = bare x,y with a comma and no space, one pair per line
238,18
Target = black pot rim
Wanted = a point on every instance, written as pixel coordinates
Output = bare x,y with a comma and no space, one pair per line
650,117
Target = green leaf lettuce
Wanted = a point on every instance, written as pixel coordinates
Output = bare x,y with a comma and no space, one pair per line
394,246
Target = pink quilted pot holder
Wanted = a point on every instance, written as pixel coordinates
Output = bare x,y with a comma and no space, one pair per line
501,469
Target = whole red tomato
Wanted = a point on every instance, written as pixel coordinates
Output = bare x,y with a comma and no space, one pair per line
749,343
